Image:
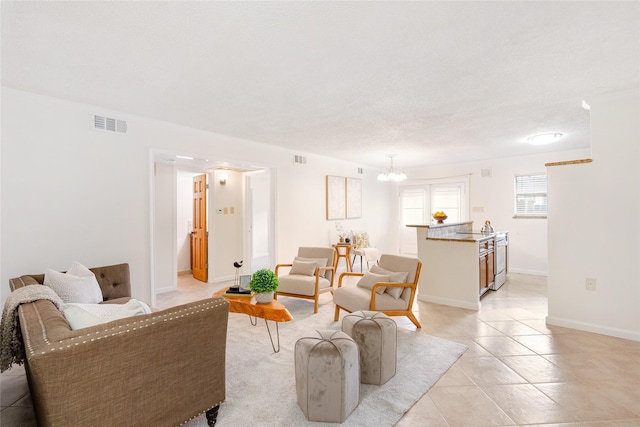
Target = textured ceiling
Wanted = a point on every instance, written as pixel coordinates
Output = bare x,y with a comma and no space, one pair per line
433,82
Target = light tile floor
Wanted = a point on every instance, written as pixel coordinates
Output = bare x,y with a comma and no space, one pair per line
517,371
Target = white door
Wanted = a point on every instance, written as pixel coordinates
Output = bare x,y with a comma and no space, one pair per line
413,211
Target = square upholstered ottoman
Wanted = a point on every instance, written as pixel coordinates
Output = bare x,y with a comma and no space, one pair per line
376,336
327,376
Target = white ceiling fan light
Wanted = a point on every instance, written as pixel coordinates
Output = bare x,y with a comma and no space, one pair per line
544,138
392,174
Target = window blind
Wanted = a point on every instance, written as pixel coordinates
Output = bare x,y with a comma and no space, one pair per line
531,195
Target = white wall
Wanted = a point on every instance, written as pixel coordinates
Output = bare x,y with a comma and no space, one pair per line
495,196
225,225
73,193
184,217
594,230
165,226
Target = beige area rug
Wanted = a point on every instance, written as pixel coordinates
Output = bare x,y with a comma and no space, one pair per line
261,389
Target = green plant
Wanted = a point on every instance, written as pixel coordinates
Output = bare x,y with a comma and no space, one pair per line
264,281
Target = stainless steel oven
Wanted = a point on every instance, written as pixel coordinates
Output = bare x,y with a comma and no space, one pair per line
501,243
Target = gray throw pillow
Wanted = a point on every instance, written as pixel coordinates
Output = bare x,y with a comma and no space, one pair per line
394,277
369,279
306,268
322,262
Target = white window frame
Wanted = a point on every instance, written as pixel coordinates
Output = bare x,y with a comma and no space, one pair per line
524,214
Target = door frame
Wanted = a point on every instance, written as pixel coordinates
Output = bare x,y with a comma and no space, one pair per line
169,156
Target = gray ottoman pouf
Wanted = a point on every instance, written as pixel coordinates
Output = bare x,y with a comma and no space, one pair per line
376,336
327,376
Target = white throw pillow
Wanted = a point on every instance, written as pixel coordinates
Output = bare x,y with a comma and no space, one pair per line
369,279
85,315
81,287
394,277
306,268
79,270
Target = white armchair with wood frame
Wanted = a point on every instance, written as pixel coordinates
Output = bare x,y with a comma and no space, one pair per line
311,273
389,287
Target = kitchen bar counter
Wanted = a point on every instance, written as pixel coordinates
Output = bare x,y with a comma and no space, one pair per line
461,236
452,257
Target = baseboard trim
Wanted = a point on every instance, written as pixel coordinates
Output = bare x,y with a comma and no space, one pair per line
165,289
450,302
223,279
531,272
591,327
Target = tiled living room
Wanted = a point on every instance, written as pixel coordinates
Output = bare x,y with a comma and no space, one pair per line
297,117
517,370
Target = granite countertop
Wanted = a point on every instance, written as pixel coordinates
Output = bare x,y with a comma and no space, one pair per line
474,236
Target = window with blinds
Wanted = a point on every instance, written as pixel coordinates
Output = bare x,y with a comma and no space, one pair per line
531,195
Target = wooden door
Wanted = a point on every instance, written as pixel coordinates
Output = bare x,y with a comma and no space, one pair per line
199,262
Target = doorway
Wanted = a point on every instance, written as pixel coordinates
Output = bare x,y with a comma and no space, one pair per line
240,215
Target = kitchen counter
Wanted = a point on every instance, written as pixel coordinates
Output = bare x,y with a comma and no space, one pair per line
453,257
464,237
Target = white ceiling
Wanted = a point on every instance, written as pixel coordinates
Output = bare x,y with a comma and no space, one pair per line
433,82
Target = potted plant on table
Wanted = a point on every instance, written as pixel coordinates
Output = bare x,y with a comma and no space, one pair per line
264,283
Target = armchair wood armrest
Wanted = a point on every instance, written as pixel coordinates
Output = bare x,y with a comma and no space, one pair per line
282,265
323,270
347,274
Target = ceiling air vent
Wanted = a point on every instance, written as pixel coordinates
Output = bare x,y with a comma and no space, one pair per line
109,123
485,173
301,160
360,171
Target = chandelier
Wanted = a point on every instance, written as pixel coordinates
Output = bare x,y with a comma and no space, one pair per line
392,174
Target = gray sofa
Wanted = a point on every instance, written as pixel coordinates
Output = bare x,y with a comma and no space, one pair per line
159,369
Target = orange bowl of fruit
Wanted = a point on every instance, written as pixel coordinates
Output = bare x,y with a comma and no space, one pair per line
440,217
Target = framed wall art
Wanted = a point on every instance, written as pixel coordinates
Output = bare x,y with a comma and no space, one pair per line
354,197
336,197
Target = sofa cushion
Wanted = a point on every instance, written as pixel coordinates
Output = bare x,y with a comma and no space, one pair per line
369,279
354,298
300,284
78,285
394,277
85,315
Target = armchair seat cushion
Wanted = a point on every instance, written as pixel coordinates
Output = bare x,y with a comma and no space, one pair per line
301,284
355,298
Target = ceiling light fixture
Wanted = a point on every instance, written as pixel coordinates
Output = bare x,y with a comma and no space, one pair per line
392,174
544,138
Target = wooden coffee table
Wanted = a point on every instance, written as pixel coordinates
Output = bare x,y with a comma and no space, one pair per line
273,311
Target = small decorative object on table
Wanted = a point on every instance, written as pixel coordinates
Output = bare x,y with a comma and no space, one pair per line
440,217
238,266
341,233
241,289
264,283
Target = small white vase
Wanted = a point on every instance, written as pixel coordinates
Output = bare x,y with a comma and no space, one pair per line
264,297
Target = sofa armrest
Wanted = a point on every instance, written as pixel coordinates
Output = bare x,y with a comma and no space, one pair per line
157,369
